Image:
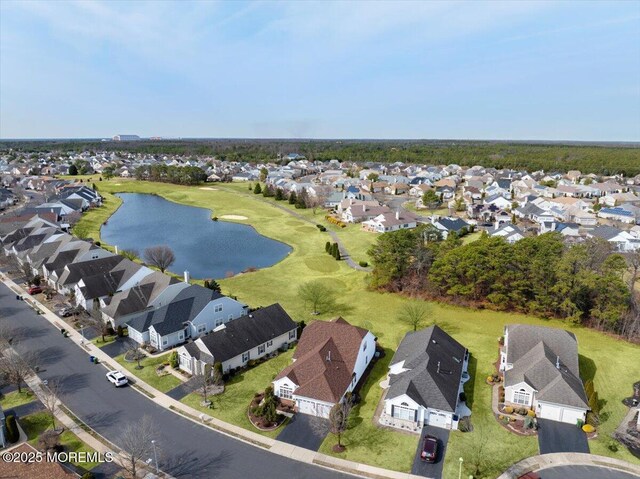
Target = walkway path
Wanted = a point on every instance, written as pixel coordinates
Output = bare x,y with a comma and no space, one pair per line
231,430
343,250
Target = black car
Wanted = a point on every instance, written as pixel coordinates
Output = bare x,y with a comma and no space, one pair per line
429,449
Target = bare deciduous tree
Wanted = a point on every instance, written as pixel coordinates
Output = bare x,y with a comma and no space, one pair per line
339,420
96,320
414,314
50,398
161,257
320,297
17,367
210,377
135,442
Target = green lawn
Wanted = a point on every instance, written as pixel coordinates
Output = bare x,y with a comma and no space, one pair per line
36,423
14,398
602,355
148,372
97,341
231,406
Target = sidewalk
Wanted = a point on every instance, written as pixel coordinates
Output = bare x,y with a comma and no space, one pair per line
231,430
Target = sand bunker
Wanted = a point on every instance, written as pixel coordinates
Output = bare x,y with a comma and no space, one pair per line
233,217
208,188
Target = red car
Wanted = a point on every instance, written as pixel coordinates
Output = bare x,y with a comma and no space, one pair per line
429,449
34,290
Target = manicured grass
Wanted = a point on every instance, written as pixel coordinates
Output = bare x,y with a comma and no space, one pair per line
605,359
231,406
97,341
35,424
15,398
471,237
148,372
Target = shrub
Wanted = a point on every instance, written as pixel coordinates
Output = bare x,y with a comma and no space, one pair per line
490,379
464,425
508,409
528,422
612,445
364,264
531,413
215,218
110,330
251,363
579,423
593,419
173,360
12,429
120,331
523,411
588,428
321,228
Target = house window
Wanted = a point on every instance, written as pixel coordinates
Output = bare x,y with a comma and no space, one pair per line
245,357
218,322
230,317
164,342
202,328
269,344
286,392
261,349
521,397
217,308
292,334
404,412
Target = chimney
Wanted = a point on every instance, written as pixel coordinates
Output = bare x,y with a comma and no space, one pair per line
329,356
397,214
117,250
557,362
187,277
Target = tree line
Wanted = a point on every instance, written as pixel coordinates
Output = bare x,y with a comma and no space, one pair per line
586,283
601,159
179,175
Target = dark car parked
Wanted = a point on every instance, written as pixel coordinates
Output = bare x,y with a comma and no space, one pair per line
429,449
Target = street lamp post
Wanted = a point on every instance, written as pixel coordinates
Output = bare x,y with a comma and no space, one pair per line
460,469
155,454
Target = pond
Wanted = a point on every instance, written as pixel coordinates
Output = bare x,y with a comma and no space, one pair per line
205,248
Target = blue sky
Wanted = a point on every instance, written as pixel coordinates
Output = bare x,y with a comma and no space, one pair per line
474,70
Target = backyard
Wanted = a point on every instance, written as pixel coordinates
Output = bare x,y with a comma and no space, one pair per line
601,356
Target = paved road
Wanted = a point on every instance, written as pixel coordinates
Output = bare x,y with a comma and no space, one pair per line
583,472
425,469
186,449
554,436
305,431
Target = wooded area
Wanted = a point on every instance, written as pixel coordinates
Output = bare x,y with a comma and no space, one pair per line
602,158
584,283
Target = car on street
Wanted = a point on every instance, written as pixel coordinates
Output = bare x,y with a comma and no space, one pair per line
117,378
429,449
65,312
34,290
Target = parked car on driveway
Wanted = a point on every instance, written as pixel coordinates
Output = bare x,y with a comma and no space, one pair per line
117,378
65,312
34,290
429,449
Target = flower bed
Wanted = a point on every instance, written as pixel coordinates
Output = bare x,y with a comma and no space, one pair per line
261,422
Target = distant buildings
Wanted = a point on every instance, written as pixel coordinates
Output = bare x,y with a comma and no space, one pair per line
126,138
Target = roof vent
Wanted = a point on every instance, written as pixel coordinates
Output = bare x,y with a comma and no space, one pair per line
438,367
329,356
557,362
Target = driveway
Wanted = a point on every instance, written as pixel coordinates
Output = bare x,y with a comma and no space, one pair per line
554,436
119,346
185,449
421,468
183,389
305,431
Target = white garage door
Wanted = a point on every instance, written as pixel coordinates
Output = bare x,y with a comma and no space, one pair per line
439,419
313,408
571,416
548,411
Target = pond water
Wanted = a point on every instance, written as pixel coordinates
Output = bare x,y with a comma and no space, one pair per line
205,248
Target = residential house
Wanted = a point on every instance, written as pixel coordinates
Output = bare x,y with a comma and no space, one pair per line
541,372
448,225
253,336
510,232
194,311
627,213
425,381
390,221
623,241
331,358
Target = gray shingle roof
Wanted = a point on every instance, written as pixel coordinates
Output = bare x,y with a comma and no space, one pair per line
248,332
535,353
434,361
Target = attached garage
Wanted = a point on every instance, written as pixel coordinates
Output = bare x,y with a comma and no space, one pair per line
559,413
438,419
313,408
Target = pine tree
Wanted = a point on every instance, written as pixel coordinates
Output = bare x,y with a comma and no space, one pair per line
327,247
258,189
279,194
292,198
73,170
